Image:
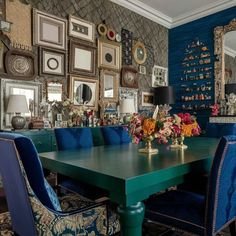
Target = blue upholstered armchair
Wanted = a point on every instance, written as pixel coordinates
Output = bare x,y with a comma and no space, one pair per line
203,215
33,205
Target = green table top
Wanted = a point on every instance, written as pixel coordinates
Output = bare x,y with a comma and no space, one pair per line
129,175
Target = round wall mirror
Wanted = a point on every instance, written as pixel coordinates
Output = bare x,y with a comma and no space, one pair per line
83,94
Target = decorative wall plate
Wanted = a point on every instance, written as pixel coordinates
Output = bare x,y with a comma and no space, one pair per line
102,29
111,34
21,63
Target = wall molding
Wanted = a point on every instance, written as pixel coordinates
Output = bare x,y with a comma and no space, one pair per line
168,22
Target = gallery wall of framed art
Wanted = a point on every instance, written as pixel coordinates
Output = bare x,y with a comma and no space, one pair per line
68,45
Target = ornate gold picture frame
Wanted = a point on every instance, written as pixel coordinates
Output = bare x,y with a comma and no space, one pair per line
84,92
109,54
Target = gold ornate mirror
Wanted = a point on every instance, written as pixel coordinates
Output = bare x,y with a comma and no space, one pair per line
223,34
54,91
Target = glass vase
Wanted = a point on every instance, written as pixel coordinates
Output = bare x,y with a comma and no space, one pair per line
148,147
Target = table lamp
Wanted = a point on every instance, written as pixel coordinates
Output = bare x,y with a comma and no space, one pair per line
163,96
127,108
17,104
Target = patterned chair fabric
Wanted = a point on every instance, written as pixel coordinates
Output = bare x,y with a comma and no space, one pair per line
38,209
200,214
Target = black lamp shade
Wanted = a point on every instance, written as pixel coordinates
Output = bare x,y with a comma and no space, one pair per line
164,95
230,88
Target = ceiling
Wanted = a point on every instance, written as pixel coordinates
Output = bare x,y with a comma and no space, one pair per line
172,13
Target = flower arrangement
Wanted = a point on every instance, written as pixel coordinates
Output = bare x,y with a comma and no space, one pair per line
185,125
163,129
146,129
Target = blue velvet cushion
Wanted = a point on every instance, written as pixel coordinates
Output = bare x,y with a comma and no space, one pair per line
115,135
73,138
184,210
32,166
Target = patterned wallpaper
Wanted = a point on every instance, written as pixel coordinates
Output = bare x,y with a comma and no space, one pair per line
153,35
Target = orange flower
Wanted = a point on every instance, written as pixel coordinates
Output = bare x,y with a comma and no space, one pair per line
187,130
149,126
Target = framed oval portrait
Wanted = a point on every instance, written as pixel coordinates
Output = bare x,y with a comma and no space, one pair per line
139,53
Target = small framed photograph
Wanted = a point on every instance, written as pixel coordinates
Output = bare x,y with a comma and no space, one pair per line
142,70
57,124
159,76
64,124
109,83
109,54
84,92
59,117
82,29
129,77
49,30
52,62
147,99
82,58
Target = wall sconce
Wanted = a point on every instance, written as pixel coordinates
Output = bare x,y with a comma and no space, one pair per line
5,26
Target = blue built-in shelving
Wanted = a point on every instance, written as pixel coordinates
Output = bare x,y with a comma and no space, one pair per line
180,38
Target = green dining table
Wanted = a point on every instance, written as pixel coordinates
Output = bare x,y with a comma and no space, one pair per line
130,176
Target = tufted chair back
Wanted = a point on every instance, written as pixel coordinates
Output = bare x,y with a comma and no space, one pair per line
73,138
221,198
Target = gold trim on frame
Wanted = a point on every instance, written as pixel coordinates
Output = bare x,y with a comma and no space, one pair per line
135,53
105,45
87,81
219,33
115,77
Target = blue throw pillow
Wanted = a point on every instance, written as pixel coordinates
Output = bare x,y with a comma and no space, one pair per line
73,138
115,135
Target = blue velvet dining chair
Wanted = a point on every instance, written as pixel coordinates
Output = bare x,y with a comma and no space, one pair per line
115,135
202,214
33,205
72,139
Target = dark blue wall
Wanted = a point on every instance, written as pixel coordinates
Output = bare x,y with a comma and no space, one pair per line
180,37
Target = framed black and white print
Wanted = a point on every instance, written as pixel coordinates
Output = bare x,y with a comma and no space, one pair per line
82,29
127,41
52,62
82,58
159,76
109,54
49,30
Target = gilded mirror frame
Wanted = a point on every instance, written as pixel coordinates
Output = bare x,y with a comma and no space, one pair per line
116,82
53,81
219,33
